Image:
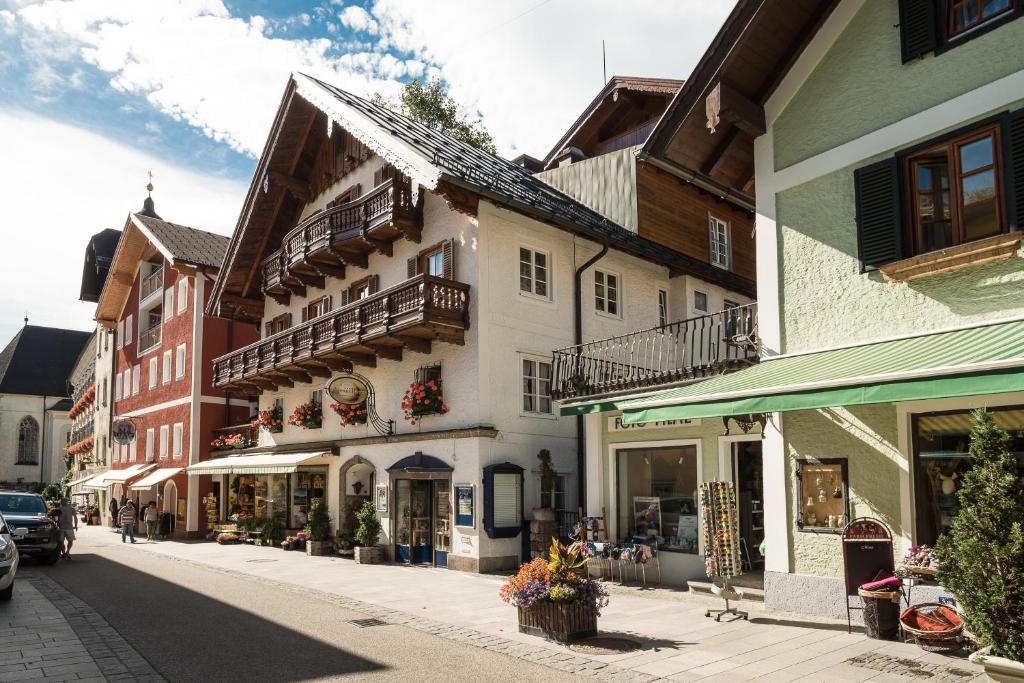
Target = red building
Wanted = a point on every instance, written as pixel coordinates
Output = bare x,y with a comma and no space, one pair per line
155,298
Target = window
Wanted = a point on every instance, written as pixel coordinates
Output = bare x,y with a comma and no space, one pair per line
163,442
360,289
536,386
179,429
700,301
104,393
955,191
437,260
167,367
533,273
317,399
28,441
136,379
179,361
117,386
606,292
119,342
150,444
103,449
133,450
662,308
657,496
503,500
128,325
718,238
434,263
316,308
938,25
182,295
152,372
279,323
123,450
965,15
126,383
168,303
555,498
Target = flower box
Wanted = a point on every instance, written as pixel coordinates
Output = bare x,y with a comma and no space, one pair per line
319,548
561,622
373,554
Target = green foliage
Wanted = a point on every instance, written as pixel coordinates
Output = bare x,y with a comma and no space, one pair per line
981,559
368,532
567,564
52,493
318,526
547,473
273,530
430,104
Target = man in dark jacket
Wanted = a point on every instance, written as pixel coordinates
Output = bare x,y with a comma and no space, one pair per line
126,518
113,512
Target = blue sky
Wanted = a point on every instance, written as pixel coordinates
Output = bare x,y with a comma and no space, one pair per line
96,93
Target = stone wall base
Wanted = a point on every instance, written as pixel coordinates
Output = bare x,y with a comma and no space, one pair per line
478,565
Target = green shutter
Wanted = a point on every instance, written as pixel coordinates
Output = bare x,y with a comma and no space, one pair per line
917,28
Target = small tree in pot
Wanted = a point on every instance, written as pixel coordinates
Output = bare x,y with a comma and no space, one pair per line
367,535
318,530
981,559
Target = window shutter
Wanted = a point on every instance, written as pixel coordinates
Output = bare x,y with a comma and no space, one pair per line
270,329
1013,168
917,28
448,257
378,176
346,297
287,320
413,266
374,284
879,228
355,192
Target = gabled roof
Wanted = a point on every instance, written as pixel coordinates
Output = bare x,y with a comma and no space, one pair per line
38,360
182,244
99,254
431,159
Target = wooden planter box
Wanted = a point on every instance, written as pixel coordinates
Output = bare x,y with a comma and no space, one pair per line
319,548
562,623
369,554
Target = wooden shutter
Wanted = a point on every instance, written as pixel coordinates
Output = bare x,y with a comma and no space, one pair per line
917,28
346,297
355,192
378,176
374,284
1013,168
269,329
879,227
448,259
413,266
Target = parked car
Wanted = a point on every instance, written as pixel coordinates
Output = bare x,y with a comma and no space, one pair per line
8,558
28,511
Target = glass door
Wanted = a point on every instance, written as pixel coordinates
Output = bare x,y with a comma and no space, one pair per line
442,522
413,521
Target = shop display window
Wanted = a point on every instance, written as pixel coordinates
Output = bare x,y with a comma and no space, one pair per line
823,494
307,489
941,458
657,497
287,497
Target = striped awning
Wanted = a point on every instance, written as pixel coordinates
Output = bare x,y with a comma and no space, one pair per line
262,463
979,360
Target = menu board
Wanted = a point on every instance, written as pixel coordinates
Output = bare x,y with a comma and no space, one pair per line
464,501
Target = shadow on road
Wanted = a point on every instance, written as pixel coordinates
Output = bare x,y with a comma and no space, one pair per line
189,636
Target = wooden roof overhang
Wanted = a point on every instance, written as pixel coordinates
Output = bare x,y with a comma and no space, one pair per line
745,62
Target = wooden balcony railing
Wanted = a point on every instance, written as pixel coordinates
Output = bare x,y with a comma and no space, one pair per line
327,241
689,349
154,282
149,338
407,316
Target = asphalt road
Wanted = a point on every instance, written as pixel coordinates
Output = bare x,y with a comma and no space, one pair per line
194,624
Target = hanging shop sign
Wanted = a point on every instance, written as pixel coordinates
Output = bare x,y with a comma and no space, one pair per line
615,424
349,389
124,432
464,512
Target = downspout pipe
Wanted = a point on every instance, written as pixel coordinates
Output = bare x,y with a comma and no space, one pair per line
581,448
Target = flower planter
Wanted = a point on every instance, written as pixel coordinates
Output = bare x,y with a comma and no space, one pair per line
369,554
999,669
319,548
563,623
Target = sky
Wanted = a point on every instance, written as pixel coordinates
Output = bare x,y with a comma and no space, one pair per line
95,94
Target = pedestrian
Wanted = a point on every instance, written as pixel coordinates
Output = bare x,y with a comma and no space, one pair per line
152,518
67,522
126,518
113,512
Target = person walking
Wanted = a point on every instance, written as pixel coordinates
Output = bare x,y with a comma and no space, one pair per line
152,518
126,518
113,512
67,522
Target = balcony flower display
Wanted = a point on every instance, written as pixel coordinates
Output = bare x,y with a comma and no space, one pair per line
307,415
83,402
272,420
423,398
83,446
350,413
229,441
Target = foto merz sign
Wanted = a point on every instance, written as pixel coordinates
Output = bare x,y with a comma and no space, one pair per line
615,424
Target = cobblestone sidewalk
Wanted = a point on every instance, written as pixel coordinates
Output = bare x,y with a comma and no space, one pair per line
47,634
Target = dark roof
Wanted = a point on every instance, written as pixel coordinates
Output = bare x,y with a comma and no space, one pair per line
187,244
417,462
504,182
99,254
38,361
62,406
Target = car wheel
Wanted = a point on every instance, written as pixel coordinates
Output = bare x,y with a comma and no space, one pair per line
50,558
7,593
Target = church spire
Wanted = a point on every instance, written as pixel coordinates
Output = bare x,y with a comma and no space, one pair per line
148,206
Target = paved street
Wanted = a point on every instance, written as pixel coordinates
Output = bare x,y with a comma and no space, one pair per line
202,612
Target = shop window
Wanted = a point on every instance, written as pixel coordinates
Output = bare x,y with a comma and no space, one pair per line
657,496
823,494
536,386
288,497
941,458
606,293
533,273
503,500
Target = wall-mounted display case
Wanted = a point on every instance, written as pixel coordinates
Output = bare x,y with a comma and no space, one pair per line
822,490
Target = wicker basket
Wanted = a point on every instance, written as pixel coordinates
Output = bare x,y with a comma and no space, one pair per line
922,634
891,596
919,571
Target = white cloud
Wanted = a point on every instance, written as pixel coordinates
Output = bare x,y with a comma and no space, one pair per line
50,211
357,19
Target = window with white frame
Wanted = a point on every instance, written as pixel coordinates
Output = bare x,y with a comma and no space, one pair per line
179,362
554,498
136,379
182,295
150,444
168,303
122,449
606,292
164,432
126,383
167,367
718,238
119,342
179,430
104,389
534,269
536,386
117,386
133,450
152,372
662,308
128,325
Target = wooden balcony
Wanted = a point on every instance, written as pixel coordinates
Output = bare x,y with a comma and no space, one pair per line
680,351
328,241
409,316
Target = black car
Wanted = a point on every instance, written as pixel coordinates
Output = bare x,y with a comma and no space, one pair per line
28,511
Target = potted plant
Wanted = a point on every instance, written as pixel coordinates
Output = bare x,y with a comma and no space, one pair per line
367,535
423,398
350,413
318,530
307,415
981,559
556,599
271,419
273,531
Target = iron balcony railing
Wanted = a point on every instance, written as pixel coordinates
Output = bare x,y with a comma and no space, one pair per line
684,350
149,338
83,386
153,282
81,433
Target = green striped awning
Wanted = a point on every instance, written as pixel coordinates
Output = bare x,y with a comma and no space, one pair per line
978,360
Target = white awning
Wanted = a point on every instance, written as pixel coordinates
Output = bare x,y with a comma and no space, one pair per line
76,482
102,481
157,477
95,482
262,463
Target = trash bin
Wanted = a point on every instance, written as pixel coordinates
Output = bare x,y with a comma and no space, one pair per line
881,614
166,524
